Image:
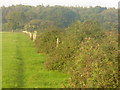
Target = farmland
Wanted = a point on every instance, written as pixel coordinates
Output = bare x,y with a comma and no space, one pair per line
24,67
60,46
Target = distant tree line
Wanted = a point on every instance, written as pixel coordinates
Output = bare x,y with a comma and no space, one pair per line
20,16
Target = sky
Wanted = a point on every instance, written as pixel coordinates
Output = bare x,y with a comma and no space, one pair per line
84,3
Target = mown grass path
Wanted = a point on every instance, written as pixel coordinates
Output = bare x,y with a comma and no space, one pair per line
23,67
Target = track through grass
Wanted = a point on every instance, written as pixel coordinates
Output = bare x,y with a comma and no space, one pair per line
23,67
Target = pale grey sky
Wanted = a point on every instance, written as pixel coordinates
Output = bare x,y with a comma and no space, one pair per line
104,3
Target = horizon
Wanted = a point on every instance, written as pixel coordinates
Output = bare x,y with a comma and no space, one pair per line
77,3
58,5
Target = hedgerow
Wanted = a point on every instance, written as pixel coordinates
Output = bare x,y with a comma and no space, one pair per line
86,50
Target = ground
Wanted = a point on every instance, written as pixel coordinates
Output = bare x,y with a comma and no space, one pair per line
23,67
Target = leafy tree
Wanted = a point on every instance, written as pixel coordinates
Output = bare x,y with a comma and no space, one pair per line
17,19
38,24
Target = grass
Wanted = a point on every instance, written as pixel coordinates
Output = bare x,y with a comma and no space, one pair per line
0,60
23,67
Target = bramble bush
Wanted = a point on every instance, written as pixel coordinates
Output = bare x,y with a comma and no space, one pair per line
86,50
96,66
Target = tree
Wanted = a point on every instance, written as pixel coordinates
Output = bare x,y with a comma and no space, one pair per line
17,19
37,24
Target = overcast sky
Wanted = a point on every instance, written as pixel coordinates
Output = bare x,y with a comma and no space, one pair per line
104,3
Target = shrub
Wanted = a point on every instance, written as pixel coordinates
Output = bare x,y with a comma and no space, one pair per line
97,65
85,50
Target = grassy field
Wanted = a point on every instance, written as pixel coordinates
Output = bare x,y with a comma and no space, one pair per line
23,67
0,61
